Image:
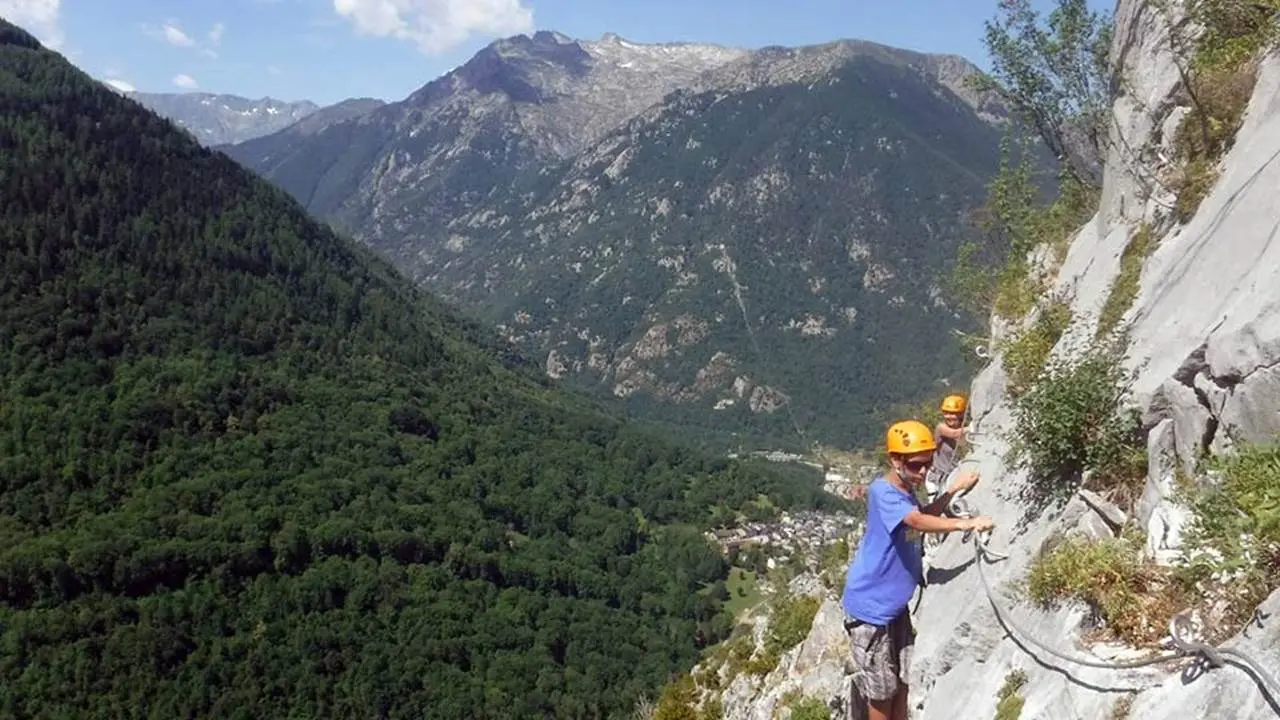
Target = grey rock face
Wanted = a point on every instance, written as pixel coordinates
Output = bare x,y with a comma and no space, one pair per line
1205,344
223,119
814,668
1107,510
1158,512
1192,421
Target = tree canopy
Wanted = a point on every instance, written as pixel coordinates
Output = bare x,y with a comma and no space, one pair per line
1055,74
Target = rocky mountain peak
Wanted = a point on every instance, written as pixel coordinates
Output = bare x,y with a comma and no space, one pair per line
527,70
542,46
684,60
552,51
552,36
953,72
568,92
338,112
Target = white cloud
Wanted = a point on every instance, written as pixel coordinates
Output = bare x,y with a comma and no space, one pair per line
120,85
38,17
436,26
272,69
172,33
185,81
175,36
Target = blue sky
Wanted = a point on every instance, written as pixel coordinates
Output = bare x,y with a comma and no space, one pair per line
327,50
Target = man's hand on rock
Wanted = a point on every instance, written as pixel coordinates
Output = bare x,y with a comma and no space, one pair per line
979,524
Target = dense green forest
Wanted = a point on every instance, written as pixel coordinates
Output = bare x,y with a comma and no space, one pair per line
248,471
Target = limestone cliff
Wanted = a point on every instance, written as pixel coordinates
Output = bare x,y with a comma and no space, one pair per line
1204,344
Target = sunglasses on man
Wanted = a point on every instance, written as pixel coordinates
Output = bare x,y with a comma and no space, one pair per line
918,466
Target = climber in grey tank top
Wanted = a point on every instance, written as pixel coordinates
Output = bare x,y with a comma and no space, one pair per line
949,435
949,432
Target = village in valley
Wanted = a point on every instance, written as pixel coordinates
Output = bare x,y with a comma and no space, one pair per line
792,534
800,538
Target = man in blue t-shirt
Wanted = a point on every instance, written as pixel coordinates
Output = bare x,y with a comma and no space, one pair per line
887,568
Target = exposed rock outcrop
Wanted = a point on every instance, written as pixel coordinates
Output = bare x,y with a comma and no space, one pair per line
1225,692
814,668
1204,342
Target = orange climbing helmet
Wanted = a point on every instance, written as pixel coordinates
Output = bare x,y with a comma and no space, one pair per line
909,437
953,404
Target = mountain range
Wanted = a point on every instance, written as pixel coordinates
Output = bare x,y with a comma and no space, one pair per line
750,242
225,119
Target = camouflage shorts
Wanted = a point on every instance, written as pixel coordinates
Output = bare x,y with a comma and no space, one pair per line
881,655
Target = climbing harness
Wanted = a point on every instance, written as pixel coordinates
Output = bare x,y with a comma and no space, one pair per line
1183,647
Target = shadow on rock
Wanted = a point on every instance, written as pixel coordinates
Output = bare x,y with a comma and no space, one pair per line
942,576
1201,666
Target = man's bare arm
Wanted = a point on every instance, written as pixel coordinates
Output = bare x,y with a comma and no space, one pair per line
949,432
917,520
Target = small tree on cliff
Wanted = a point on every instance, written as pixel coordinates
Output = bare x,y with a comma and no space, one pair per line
1054,74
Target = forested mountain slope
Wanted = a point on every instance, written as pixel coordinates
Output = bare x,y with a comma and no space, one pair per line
246,470
734,251
736,246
